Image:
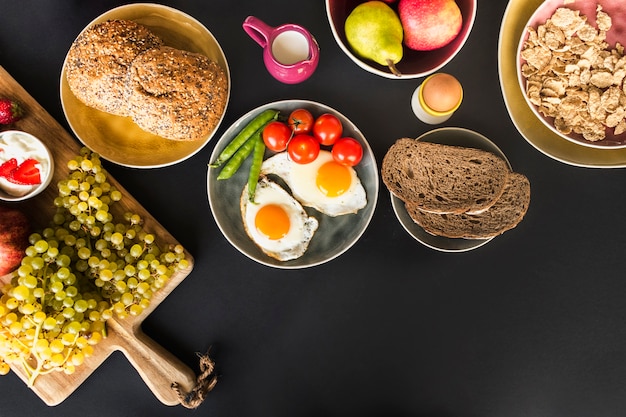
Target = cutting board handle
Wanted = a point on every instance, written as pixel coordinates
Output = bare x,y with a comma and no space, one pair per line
158,368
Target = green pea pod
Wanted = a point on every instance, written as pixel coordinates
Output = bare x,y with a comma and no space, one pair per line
254,126
237,159
255,169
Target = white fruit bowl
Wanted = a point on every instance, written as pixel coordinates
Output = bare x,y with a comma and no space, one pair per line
414,64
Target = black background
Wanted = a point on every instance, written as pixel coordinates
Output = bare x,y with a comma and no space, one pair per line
530,325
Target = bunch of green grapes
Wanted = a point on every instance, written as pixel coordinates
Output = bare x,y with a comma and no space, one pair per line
82,270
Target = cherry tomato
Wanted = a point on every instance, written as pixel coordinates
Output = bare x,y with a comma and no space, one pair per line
303,149
327,129
347,151
276,135
300,121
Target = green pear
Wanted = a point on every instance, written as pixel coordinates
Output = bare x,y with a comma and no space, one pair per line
374,31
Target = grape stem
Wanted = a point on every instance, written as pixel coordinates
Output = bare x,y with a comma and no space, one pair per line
32,373
44,284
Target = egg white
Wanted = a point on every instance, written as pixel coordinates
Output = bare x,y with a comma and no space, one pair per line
300,178
302,227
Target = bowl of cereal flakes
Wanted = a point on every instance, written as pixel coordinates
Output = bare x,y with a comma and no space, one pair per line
572,67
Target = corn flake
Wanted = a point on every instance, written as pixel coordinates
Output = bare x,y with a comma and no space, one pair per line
573,77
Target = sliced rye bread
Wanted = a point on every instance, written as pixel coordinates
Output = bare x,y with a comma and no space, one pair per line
443,178
504,215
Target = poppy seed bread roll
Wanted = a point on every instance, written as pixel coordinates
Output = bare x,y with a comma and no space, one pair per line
98,62
177,94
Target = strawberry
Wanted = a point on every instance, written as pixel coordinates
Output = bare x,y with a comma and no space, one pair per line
26,173
7,167
10,111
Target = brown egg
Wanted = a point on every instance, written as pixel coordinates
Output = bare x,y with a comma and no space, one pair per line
442,92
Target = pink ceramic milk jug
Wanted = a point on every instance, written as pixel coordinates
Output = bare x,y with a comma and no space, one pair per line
290,52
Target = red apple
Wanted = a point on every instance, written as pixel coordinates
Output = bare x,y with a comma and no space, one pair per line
429,24
14,231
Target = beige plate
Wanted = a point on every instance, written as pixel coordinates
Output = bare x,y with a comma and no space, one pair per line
534,131
454,136
117,138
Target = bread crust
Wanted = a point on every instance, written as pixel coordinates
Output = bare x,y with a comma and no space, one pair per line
177,94
99,59
505,214
442,178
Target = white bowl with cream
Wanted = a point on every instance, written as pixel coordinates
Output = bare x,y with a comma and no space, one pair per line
22,146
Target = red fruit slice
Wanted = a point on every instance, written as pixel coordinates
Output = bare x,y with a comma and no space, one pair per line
7,167
26,173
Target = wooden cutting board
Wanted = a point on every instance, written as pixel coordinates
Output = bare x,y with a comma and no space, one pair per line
157,367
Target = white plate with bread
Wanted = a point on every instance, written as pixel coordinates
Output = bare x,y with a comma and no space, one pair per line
453,189
145,85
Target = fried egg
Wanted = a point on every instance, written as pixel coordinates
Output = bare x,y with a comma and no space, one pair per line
276,222
325,185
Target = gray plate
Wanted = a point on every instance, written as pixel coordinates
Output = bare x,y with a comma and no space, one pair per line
446,136
334,236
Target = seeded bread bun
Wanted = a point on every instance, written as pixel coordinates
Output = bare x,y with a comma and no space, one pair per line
442,178
504,215
177,94
99,59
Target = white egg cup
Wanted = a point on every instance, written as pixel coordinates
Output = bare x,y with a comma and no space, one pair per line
424,112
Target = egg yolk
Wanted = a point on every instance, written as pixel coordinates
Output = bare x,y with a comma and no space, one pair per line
333,179
272,221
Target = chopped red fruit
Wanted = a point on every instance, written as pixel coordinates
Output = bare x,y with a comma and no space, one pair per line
7,167
26,173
